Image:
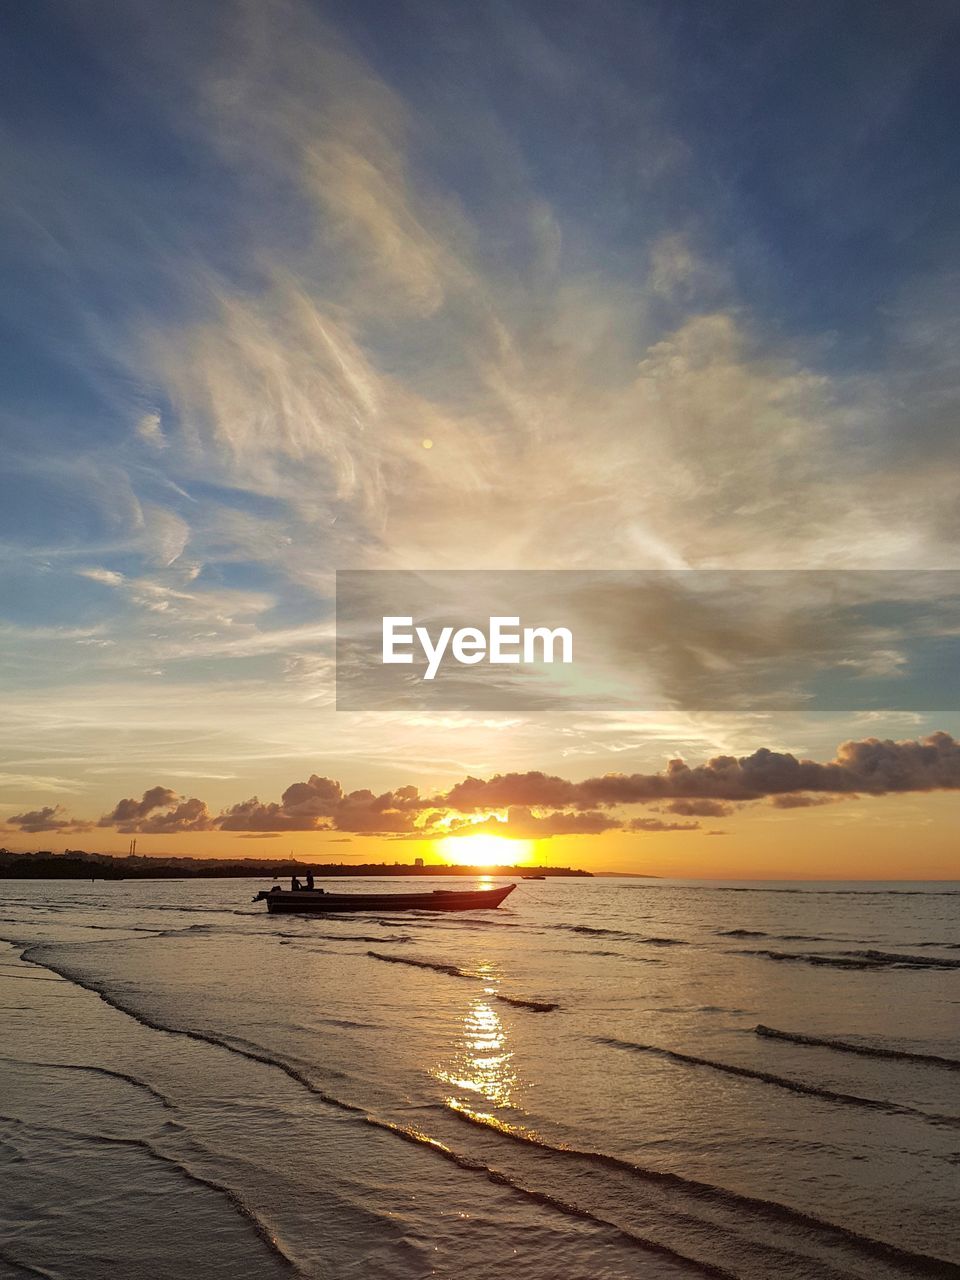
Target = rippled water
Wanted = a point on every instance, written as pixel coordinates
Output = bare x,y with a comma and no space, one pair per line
605,1078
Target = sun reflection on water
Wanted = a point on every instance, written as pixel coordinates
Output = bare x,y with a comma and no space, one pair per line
482,1064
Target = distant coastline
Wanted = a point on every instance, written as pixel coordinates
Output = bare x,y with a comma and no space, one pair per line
78,864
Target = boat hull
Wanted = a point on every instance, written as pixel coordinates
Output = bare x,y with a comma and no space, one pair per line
318,902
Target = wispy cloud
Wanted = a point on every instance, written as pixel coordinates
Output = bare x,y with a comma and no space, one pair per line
235,369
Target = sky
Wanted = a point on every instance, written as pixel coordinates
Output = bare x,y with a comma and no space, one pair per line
292,288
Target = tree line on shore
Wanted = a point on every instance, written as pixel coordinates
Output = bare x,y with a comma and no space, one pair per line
78,864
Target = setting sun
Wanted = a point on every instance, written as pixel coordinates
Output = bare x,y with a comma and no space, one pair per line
485,850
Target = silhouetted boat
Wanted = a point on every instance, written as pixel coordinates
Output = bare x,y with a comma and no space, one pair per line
319,901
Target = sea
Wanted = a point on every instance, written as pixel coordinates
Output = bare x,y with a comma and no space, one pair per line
601,1078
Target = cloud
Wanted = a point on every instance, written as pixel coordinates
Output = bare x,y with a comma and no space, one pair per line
317,797
392,812
150,431
253,815
537,805
523,824
185,816
655,824
700,808
160,811
533,788
107,576
320,804
131,810
285,386
165,534
679,274
800,801
49,818
357,300
871,766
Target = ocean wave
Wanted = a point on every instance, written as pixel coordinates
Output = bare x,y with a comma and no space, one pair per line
95,1070
538,1006
595,931
840,893
826,1233
586,951
27,977
439,920
343,937
178,1165
916,1263
106,928
438,966
861,959
778,937
454,971
171,906
244,1049
348,1024
806,937
852,1046
599,951
543,1197
696,1008
783,1082
21,1268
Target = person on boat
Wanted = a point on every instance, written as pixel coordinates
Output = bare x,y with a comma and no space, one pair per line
309,879
295,884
